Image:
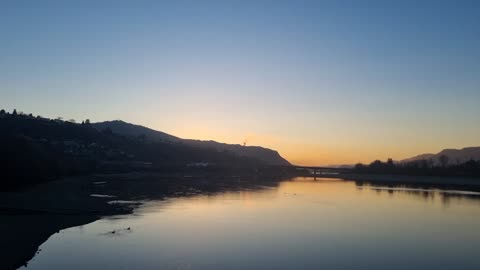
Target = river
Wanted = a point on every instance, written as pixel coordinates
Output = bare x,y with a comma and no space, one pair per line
300,223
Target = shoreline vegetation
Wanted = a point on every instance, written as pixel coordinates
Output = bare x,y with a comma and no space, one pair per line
422,167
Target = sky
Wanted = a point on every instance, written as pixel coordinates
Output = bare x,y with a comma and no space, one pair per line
322,82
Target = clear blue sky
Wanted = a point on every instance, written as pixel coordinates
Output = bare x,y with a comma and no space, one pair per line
321,81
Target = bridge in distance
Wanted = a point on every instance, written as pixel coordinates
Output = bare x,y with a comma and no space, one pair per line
318,170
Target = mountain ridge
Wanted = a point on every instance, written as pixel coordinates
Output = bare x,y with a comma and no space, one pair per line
266,155
454,155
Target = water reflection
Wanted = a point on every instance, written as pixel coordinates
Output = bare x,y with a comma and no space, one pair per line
298,223
446,194
24,232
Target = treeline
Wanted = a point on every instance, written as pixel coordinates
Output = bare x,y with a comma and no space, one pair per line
441,167
34,149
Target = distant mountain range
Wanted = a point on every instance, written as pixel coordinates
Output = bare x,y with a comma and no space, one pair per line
454,155
267,156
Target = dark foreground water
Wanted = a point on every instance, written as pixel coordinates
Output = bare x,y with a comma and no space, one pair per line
297,224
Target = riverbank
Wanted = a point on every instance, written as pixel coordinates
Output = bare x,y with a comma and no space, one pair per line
31,216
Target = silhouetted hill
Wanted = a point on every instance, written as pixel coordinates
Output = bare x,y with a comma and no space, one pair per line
454,155
267,156
127,129
36,149
419,157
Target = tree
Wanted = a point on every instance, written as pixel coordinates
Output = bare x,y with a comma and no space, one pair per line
422,163
471,164
430,163
14,112
390,162
443,159
376,164
2,111
87,122
359,166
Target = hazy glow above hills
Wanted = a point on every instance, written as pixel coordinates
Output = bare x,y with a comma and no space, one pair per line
321,83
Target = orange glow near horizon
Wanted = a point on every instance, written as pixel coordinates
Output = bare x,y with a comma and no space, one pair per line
328,151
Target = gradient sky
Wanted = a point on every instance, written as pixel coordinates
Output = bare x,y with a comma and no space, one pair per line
323,82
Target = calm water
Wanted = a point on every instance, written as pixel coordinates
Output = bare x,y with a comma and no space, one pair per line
330,224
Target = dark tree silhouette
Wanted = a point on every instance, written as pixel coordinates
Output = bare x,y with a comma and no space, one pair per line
430,163
422,167
390,162
443,159
376,164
